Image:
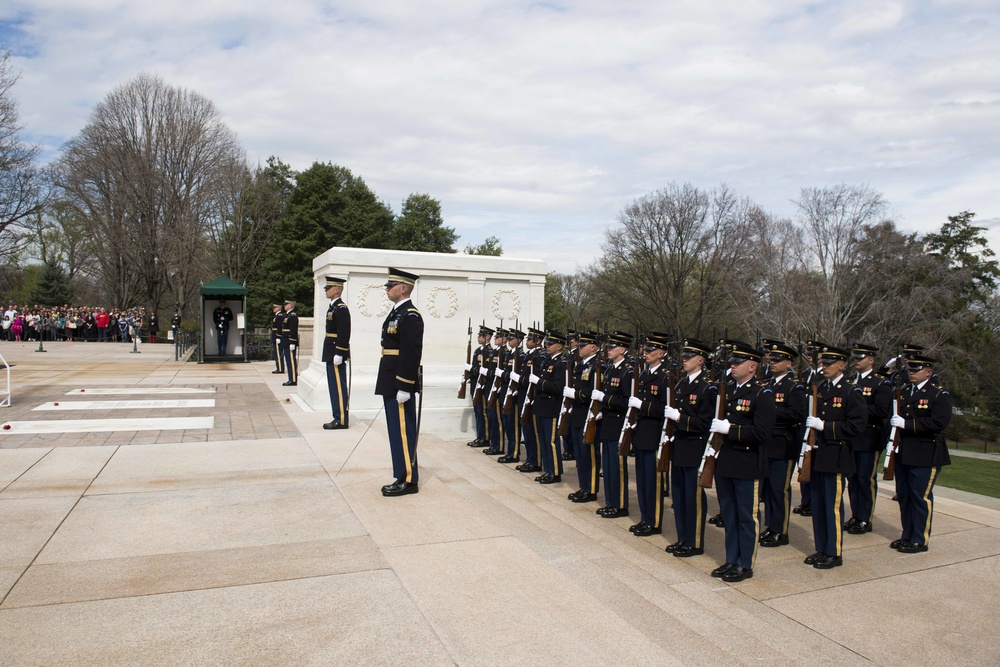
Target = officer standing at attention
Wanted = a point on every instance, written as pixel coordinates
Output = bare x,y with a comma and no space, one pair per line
616,389
841,416
491,391
579,393
862,484
276,321
399,379
749,419
694,407
222,316
784,443
550,380
533,358
480,359
512,397
336,352
650,399
289,343
924,412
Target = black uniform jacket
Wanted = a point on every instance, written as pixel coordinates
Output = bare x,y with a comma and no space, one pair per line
844,415
695,399
583,382
480,359
652,390
548,391
877,392
402,347
750,411
338,331
290,328
616,383
927,412
276,322
790,407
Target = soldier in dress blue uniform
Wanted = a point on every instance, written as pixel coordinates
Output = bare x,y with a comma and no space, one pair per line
222,316
650,400
479,360
862,484
694,398
336,352
399,379
748,423
783,445
924,413
290,343
512,397
549,380
616,389
584,375
493,391
276,321
812,375
841,417
534,356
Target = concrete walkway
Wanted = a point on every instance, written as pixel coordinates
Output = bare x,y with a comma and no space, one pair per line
265,540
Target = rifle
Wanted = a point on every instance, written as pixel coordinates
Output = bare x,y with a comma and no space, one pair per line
491,403
804,463
562,428
706,471
468,361
590,427
512,387
667,437
631,417
889,471
529,397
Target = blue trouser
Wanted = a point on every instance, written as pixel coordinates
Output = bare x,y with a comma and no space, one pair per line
401,422
738,502
828,511
336,382
223,339
493,433
512,433
690,506
289,356
586,470
778,495
548,445
806,494
647,488
530,433
477,411
915,489
862,485
279,358
615,475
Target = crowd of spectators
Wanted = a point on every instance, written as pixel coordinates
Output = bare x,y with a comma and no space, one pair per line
77,323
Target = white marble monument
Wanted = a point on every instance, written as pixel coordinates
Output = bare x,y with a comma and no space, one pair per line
452,290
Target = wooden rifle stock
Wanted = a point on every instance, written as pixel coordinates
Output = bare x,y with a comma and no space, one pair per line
707,471
468,360
562,428
512,387
663,462
631,416
590,428
529,397
491,402
889,471
808,441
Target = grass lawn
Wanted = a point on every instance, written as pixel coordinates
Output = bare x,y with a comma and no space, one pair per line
973,475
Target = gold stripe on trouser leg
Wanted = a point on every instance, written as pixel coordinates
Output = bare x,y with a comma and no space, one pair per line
295,367
658,514
406,445
486,422
499,423
622,481
786,497
538,444
699,539
756,521
340,391
873,484
930,504
517,436
277,351
593,469
555,451
838,520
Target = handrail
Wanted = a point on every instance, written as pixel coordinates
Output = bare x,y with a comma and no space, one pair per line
5,400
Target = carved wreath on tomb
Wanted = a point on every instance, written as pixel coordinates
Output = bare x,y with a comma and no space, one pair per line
381,306
506,304
452,301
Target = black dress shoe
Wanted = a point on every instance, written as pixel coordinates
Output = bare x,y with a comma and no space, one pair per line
720,522
400,489
478,444
507,459
646,530
714,520
277,372
641,525
774,540
807,510
549,479
895,544
828,562
850,523
602,510
722,569
813,559
492,452
289,384
335,425
860,528
687,552
527,467
614,513
568,457
911,548
736,574
584,498
575,494
673,547
389,486
766,533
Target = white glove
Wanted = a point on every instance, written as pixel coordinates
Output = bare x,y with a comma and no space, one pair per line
597,395
515,377
402,396
468,367
600,415
814,422
483,371
671,413
897,421
291,346
635,402
719,426
533,379
569,392
337,360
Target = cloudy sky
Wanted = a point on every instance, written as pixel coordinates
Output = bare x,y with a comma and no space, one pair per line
538,121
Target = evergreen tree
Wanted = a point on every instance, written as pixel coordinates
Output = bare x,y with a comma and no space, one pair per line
420,227
52,288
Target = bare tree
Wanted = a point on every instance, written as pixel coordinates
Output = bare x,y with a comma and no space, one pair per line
146,172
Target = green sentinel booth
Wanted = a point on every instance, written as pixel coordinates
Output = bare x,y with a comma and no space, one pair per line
222,293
